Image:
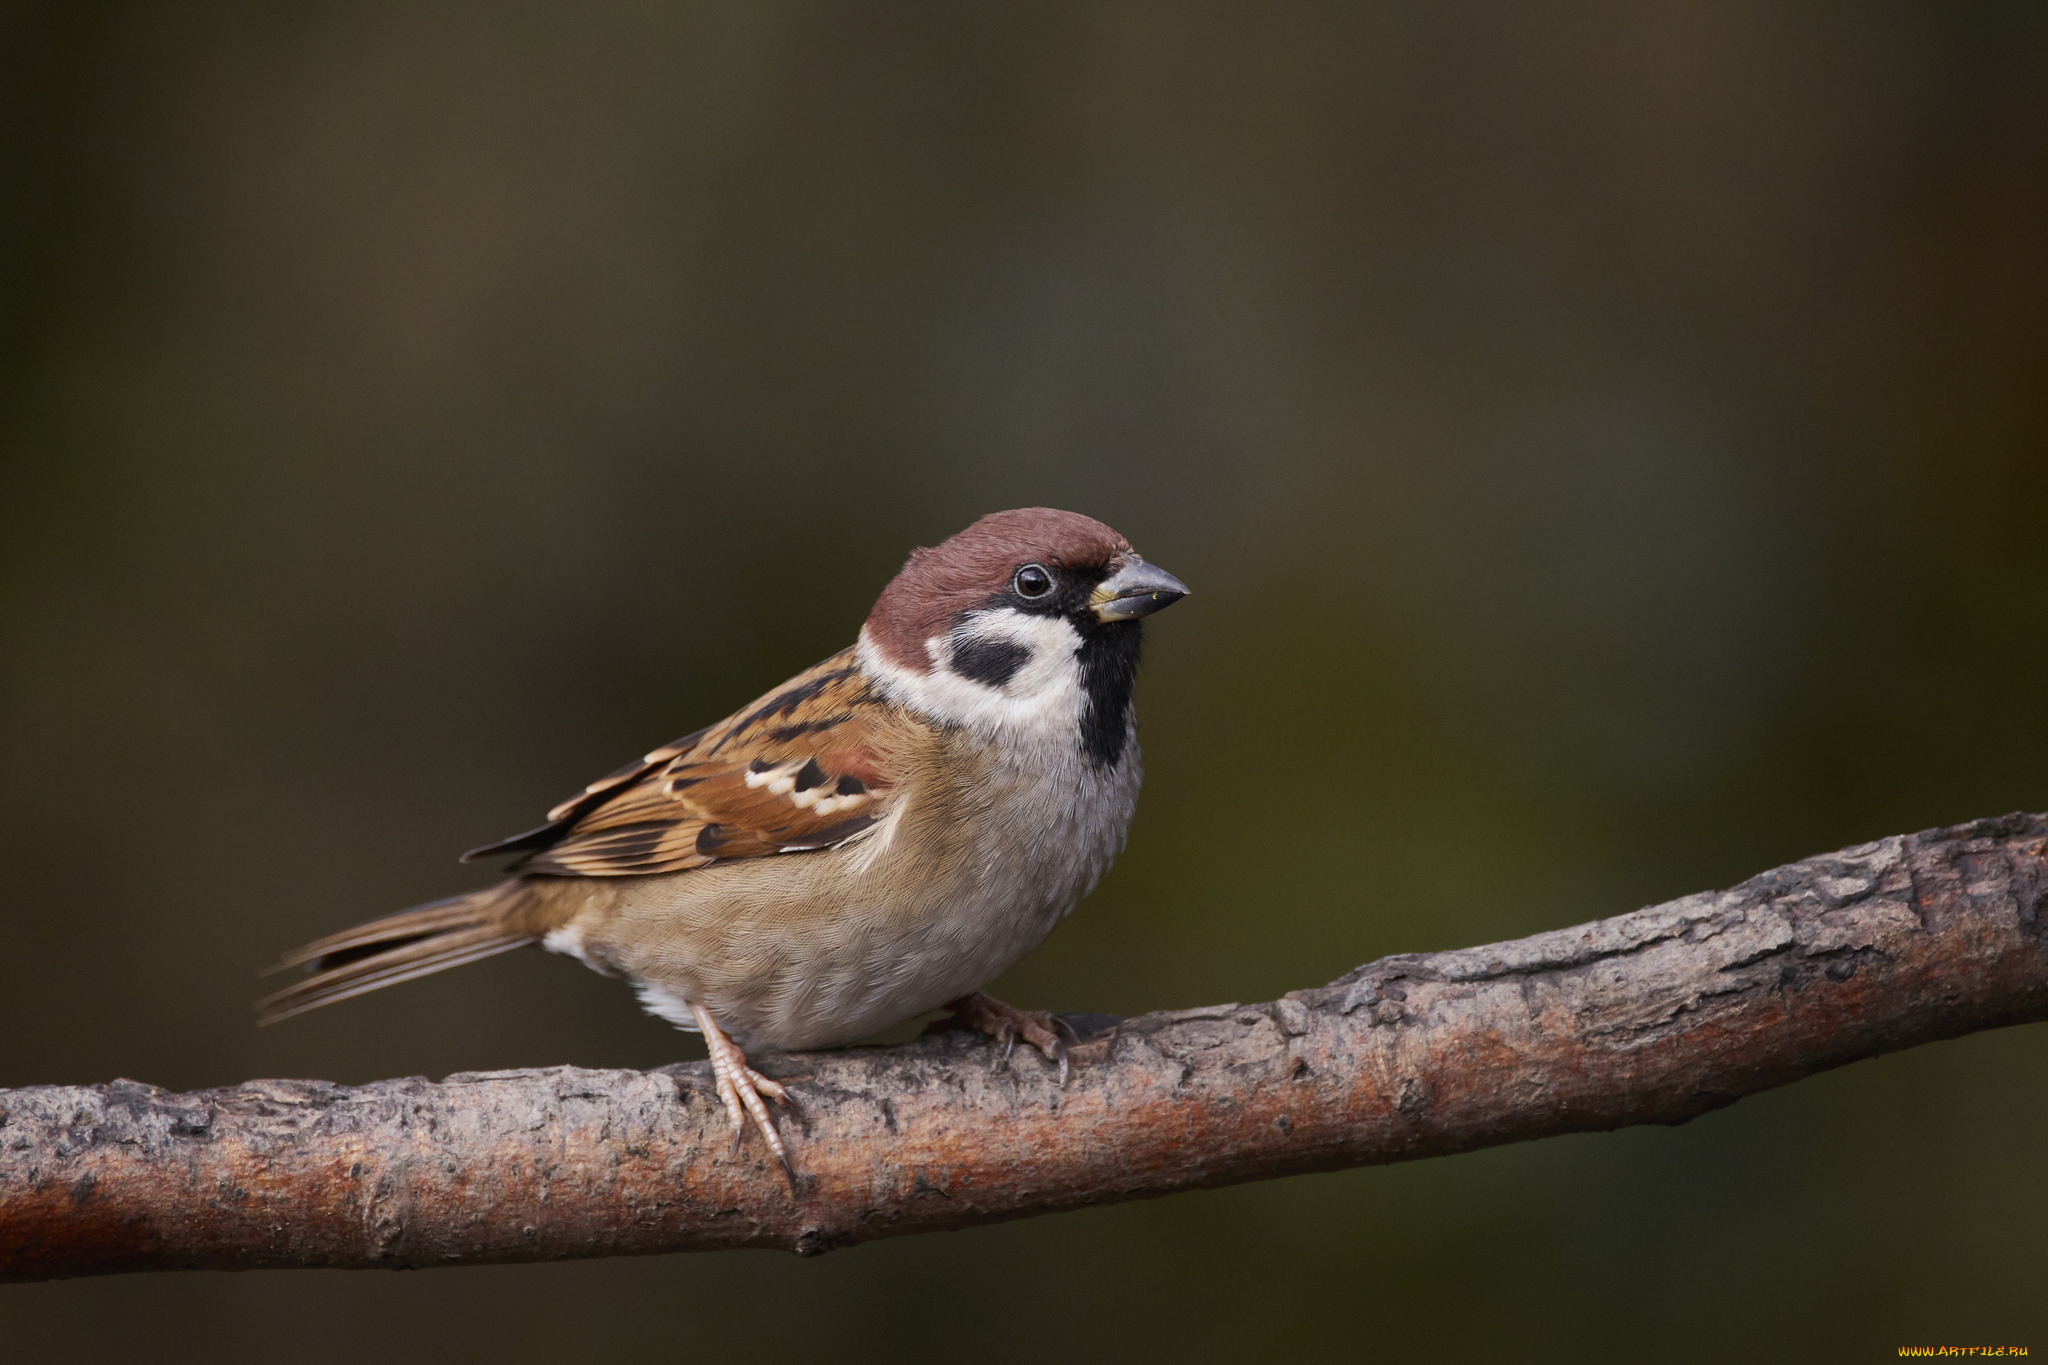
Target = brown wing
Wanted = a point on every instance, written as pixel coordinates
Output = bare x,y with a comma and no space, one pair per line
799,769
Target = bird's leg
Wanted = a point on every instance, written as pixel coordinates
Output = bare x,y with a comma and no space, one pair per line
1006,1023
740,1088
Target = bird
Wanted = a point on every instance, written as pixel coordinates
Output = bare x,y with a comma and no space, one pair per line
876,838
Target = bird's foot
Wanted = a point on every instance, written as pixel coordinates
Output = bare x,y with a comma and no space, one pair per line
744,1091
1006,1024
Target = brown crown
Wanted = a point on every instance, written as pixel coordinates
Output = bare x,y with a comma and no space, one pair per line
938,584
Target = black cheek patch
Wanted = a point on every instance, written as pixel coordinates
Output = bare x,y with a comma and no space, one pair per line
991,662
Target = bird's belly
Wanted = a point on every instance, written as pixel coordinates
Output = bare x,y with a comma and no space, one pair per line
886,967
817,950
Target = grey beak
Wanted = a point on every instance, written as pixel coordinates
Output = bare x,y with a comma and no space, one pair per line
1136,589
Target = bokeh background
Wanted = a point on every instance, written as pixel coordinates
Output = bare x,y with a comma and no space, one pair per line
1606,442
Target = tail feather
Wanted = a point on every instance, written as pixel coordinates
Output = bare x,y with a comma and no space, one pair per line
417,942
435,917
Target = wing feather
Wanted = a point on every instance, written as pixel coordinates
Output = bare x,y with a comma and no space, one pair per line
799,769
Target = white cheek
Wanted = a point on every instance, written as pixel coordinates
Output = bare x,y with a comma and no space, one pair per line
1051,646
1043,698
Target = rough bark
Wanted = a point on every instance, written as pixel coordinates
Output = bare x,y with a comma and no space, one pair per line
1652,1017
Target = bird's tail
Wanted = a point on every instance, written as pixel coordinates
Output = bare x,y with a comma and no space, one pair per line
425,939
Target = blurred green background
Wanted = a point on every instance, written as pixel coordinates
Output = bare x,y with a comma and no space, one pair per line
1606,442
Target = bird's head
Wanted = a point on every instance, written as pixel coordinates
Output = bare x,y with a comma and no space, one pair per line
1024,624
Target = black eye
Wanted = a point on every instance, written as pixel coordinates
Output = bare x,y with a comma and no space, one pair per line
1032,581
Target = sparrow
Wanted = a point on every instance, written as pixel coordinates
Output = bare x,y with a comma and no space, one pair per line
876,838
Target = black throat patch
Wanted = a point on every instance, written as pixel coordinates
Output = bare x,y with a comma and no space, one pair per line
1109,673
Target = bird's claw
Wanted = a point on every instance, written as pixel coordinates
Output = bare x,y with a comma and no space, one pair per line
1006,1023
745,1092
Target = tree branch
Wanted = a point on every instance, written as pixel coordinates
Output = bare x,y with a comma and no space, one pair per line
1653,1017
